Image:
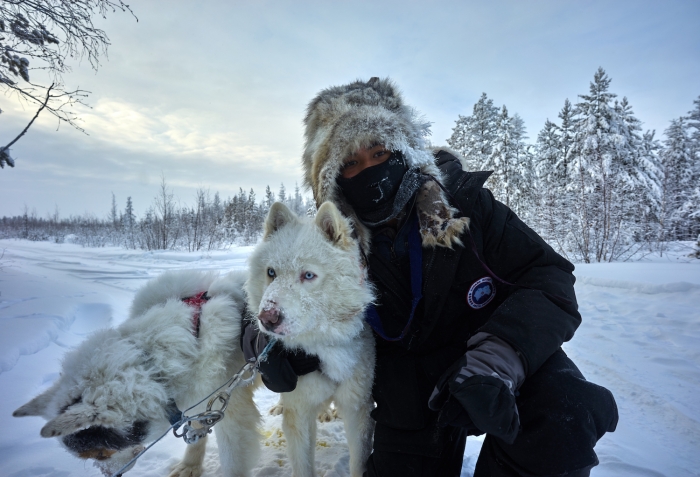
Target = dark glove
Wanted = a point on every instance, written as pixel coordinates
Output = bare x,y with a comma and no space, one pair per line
480,404
281,368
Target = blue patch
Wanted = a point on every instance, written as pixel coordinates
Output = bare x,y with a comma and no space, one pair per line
481,293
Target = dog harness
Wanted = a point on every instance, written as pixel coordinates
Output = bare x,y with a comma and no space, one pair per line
196,303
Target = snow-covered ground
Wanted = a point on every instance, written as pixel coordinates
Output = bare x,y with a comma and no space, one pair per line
640,338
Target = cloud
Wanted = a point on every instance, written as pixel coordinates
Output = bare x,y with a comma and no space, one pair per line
213,93
182,134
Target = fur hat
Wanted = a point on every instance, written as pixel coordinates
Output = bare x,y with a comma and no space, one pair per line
343,119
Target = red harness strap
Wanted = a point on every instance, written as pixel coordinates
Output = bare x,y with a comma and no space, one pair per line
196,302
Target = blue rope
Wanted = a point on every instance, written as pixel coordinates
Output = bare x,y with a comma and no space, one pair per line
415,257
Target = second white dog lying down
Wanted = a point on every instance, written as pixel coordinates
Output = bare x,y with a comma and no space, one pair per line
115,390
309,290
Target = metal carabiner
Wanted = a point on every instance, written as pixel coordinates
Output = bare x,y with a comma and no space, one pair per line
238,379
223,397
205,420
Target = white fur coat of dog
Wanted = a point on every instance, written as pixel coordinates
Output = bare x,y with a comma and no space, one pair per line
112,396
309,291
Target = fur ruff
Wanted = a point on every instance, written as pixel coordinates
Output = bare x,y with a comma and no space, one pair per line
343,119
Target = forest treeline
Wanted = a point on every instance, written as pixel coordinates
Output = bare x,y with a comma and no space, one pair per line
209,224
594,185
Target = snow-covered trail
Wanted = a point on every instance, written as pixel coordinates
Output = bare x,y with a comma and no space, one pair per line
640,338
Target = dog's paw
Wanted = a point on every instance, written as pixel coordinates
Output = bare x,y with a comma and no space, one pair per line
184,470
276,410
328,415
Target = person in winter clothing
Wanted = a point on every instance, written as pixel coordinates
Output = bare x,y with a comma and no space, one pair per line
473,306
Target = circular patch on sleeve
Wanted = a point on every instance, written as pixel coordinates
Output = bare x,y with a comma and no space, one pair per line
481,293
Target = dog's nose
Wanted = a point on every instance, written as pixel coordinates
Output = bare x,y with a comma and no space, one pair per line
269,318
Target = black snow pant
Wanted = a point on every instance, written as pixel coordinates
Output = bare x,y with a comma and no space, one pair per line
562,416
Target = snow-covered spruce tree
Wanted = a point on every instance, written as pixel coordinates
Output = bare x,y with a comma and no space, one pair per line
473,136
282,195
113,219
650,200
234,216
601,180
502,158
694,122
253,219
228,225
243,218
567,133
511,162
553,200
677,164
310,207
524,180
642,169
296,202
129,221
214,224
269,199
550,201
692,205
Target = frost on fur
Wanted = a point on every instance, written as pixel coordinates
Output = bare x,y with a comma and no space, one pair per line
343,119
315,264
278,216
309,291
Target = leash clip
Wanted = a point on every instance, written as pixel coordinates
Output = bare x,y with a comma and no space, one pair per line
201,424
206,420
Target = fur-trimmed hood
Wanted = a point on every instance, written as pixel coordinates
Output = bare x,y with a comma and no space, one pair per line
343,119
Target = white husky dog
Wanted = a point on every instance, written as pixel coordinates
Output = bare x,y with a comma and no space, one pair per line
310,292
116,389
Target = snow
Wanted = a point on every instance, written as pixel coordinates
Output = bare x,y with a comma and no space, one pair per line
640,338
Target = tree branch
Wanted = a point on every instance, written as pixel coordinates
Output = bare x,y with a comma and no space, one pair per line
4,152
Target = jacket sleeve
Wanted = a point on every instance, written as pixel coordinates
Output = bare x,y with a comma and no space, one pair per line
535,320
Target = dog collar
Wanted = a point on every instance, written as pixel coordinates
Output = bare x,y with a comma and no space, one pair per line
174,414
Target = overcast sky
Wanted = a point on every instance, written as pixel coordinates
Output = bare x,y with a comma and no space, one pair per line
212,93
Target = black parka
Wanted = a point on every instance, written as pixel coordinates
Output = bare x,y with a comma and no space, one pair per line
535,316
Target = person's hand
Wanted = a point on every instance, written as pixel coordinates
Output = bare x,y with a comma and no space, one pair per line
281,368
480,404
476,392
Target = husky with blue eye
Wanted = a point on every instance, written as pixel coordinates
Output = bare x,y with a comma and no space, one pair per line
119,388
309,291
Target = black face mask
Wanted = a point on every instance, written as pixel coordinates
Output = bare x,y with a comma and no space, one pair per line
376,186
379,193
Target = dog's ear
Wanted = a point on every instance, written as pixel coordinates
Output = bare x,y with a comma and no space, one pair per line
38,405
278,217
334,226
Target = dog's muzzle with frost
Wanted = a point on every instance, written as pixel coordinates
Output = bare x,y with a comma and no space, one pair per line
271,317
